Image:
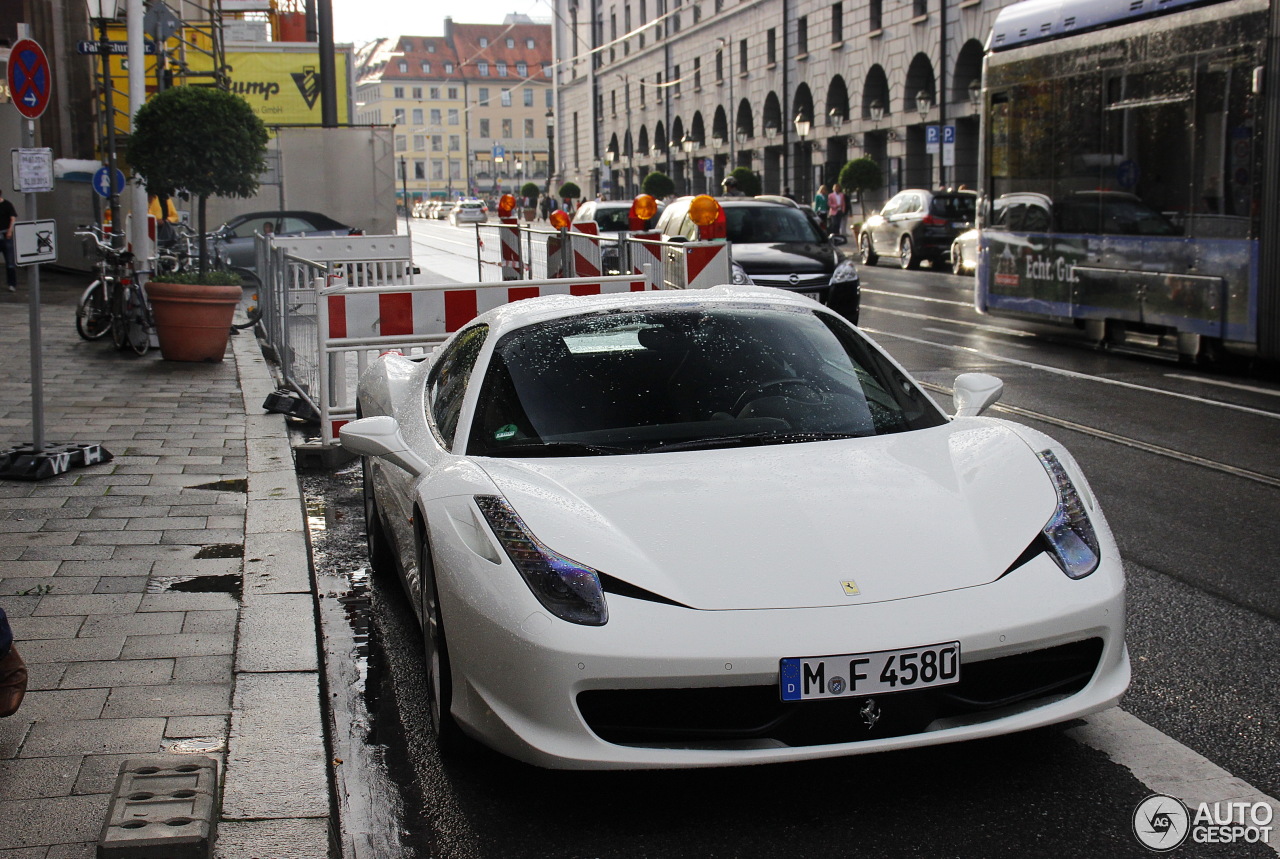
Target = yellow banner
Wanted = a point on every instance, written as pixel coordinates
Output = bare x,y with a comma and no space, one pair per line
284,87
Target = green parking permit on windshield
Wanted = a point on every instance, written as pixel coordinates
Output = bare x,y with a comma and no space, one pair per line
505,432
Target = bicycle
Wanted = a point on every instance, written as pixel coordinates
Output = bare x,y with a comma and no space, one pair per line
115,302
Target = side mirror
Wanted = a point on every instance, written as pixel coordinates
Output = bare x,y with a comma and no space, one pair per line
380,436
974,393
839,240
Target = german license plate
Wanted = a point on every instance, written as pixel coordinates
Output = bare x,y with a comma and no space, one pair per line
809,678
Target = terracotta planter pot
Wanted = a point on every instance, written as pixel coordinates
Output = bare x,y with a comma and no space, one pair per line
193,322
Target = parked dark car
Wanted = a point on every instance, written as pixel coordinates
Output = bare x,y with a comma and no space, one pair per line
917,225
233,241
779,245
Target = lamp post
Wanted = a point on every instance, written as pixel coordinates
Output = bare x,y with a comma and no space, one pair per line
733,110
876,109
551,148
103,11
803,127
687,144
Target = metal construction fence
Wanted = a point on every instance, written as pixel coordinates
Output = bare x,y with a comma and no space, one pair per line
292,272
507,252
330,305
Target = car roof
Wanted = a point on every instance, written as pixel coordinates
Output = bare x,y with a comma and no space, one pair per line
530,311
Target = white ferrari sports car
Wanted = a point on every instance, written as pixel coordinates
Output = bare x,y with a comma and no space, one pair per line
719,527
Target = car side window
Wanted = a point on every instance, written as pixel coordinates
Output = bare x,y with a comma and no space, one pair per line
447,382
248,228
295,225
891,207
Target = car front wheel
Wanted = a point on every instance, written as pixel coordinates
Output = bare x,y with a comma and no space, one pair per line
866,251
449,736
907,253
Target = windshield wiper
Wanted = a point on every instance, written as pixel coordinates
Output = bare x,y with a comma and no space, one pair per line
558,448
753,438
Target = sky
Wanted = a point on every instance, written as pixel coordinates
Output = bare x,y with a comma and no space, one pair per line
364,20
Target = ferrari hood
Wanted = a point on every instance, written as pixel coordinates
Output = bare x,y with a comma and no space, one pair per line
789,526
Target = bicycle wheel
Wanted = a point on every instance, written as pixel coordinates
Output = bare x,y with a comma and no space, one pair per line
251,304
119,317
139,310
93,314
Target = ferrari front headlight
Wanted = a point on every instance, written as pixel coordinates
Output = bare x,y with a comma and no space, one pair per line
569,590
1069,533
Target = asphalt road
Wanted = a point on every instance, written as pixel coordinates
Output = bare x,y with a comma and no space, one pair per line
1186,466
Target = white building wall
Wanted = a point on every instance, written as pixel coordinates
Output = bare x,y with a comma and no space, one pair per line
895,139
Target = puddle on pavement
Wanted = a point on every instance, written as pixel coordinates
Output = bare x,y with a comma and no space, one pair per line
239,484
221,550
317,515
231,583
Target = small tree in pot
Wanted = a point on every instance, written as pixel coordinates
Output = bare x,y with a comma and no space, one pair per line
201,140
529,193
658,185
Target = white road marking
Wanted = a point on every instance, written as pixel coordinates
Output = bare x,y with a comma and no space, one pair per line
1165,765
925,298
1071,374
1271,392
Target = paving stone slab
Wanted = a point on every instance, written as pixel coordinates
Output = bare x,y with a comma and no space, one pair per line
158,646
30,628
88,604
276,762
188,602
276,563
154,553
72,649
121,585
210,621
107,675
154,623
104,568
60,704
203,669
48,585
277,633
174,699
271,517
27,820
279,839
95,736
197,726
38,777
202,537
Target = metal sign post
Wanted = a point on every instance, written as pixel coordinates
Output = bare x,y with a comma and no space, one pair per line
30,82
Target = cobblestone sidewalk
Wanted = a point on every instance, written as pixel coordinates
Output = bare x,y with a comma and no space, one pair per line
162,601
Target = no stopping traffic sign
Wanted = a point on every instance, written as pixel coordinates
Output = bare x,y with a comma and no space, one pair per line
30,81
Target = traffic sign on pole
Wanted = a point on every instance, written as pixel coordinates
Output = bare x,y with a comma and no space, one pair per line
948,146
35,241
102,182
30,80
932,139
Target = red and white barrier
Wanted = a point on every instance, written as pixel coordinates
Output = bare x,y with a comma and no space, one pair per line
512,265
356,324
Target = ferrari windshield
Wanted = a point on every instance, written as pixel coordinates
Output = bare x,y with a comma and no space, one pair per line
698,376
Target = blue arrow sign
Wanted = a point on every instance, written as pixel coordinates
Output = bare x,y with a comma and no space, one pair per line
102,182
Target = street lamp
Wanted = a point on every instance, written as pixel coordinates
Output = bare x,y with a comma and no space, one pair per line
975,93
924,103
551,148
103,11
876,110
803,126
835,117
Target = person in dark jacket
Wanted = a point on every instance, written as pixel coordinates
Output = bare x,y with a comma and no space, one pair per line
13,671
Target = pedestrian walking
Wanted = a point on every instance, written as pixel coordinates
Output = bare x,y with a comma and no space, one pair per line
8,217
820,206
730,185
13,672
836,210
546,207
